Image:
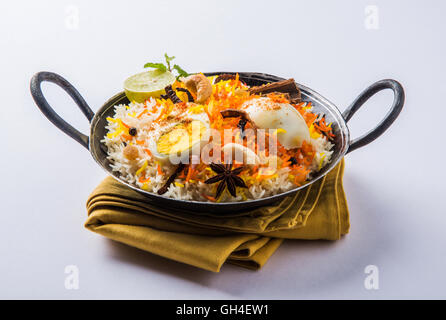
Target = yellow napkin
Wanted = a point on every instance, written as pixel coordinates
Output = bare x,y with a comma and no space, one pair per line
207,240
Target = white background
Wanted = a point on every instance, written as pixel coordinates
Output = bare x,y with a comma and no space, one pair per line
395,186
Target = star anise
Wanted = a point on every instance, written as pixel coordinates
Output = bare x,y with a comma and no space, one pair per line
227,177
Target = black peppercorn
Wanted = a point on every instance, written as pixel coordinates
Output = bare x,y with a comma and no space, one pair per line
132,131
293,160
241,125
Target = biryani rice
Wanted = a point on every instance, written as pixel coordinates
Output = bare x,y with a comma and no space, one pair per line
149,175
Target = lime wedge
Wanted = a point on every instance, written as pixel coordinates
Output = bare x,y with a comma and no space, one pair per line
144,85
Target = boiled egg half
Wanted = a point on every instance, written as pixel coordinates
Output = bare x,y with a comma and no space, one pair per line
267,114
176,139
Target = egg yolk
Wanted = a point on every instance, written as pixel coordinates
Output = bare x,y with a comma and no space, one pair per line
181,137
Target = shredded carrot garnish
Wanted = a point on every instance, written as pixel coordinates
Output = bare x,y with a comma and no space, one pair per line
189,173
127,137
160,172
210,198
125,125
322,127
142,113
143,180
182,175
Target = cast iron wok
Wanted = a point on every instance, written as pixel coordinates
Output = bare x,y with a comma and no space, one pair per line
343,143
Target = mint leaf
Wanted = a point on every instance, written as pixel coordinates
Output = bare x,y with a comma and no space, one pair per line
168,59
159,66
181,72
164,67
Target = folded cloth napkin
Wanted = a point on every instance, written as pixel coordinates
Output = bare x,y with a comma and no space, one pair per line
207,240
